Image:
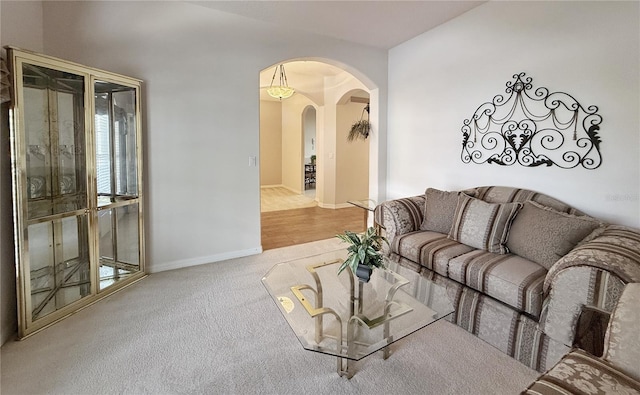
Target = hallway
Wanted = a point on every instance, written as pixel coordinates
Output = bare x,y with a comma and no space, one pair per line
280,198
303,225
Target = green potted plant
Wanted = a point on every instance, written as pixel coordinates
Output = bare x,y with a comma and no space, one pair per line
313,159
364,252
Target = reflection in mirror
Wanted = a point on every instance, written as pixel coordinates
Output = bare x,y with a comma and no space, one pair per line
119,243
54,134
116,156
59,257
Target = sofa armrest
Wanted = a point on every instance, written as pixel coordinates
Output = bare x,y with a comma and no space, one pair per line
400,216
581,373
571,290
616,249
592,274
622,343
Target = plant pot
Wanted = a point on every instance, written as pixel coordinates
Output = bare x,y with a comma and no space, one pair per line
363,272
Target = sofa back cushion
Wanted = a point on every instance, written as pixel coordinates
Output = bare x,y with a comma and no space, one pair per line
544,235
500,194
483,225
439,210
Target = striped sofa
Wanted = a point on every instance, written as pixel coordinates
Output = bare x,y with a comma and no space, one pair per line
518,265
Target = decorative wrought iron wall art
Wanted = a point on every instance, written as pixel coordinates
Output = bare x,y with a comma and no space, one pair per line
533,128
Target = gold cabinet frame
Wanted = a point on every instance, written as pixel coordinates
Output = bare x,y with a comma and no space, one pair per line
76,158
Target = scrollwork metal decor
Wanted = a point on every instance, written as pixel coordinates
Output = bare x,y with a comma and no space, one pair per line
533,128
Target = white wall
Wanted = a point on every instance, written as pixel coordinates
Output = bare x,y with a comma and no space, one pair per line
201,110
270,143
20,26
438,79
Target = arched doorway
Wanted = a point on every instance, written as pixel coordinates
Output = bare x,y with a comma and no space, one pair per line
326,90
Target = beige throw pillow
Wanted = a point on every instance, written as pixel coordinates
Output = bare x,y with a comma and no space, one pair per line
483,225
439,210
544,235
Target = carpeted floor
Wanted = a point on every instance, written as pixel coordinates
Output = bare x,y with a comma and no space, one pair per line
213,329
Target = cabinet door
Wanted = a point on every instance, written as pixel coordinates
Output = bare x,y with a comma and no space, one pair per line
117,180
51,191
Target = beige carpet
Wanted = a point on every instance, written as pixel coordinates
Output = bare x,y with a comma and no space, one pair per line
279,198
213,329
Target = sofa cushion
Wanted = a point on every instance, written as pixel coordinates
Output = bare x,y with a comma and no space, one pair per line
439,210
544,235
431,250
483,225
498,194
582,373
508,278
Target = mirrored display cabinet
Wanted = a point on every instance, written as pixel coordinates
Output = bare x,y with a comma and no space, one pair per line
77,186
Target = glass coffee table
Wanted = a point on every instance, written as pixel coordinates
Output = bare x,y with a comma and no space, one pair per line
343,317
368,206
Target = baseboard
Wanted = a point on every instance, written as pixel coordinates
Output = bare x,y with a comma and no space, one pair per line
162,267
335,206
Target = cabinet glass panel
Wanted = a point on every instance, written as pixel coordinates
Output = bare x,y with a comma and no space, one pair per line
54,140
59,264
119,243
116,153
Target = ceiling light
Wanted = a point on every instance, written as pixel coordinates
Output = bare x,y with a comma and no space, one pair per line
281,91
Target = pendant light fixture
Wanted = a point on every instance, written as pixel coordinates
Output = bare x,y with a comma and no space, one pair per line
281,91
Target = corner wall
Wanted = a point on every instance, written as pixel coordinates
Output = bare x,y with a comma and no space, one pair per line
590,50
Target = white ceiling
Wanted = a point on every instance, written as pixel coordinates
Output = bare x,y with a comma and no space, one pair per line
381,24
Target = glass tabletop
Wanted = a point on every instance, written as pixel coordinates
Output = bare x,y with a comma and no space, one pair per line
317,304
367,204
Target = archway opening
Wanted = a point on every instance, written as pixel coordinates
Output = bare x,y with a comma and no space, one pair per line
314,121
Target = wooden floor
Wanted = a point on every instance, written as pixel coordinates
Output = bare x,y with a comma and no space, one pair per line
303,225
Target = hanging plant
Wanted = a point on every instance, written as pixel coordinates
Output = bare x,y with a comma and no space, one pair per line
361,128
